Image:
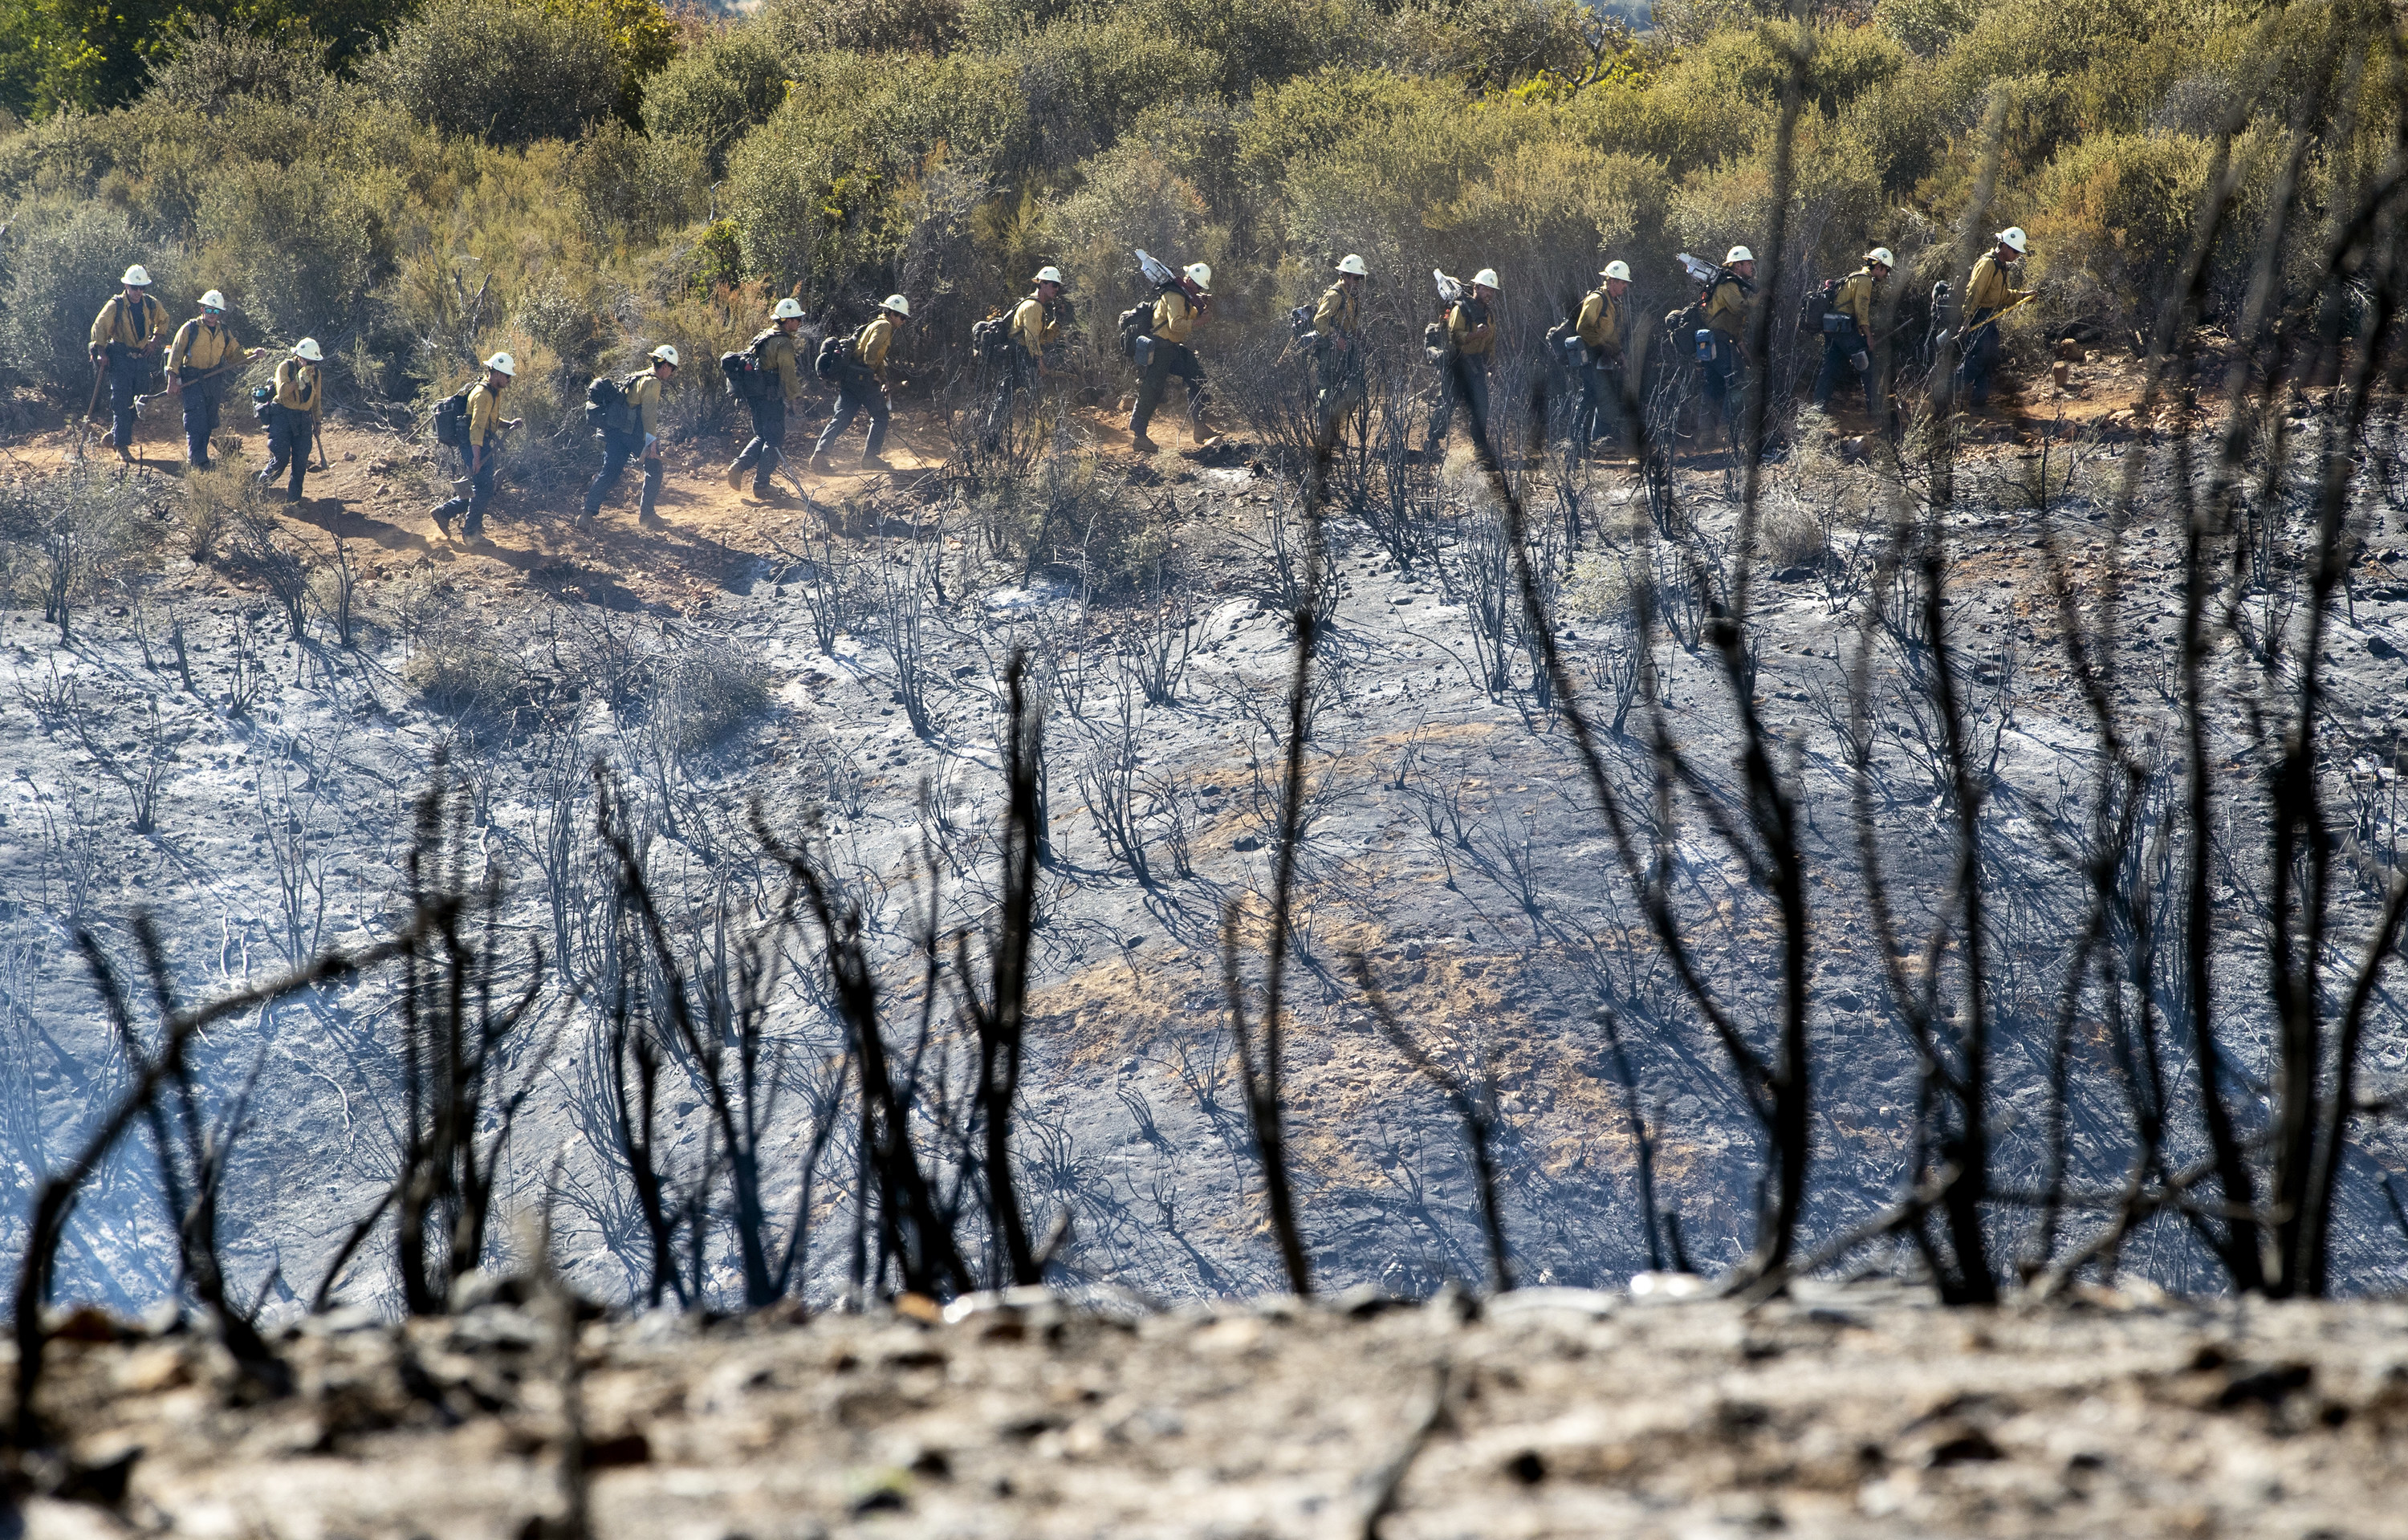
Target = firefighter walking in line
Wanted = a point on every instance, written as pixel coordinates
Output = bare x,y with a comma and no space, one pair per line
774,348
1037,335
1603,326
482,451
292,414
1176,316
641,441
1471,341
1730,299
1338,321
204,352
1987,293
125,340
862,387
1848,329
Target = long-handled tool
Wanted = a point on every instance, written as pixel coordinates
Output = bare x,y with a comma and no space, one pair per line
99,374
1967,334
221,368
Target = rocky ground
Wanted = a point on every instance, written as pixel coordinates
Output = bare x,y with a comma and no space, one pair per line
1847,1412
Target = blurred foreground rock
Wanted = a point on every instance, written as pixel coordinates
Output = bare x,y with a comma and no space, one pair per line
1847,1412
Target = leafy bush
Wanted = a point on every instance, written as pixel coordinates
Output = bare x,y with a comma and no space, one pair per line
299,243
718,91
211,65
2114,222
62,265
798,27
507,72
629,188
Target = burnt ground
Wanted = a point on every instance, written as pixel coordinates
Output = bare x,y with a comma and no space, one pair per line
1452,845
1857,1412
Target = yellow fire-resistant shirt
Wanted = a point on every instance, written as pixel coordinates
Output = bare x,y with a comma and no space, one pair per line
1174,317
1601,323
131,325
1032,326
644,395
1337,315
1468,326
1988,288
870,347
297,386
776,355
1727,310
484,415
1855,299
202,345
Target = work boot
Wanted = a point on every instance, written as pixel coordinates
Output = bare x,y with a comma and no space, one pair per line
441,514
821,465
736,475
1197,433
875,463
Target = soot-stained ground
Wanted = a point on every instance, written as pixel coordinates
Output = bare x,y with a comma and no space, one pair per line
838,662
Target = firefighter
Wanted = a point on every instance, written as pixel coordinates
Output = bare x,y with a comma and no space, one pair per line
1176,316
292,414
1471,340
1338,321
125,339
1603,326
862,386
643,442
1986,293
775,349
481,454
1730,296
1848,328
1037,333
204,352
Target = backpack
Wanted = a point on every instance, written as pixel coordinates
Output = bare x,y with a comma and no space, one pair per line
1817,303
834,354
991,339
607,410
1135,323
452,420
1564,345
747,378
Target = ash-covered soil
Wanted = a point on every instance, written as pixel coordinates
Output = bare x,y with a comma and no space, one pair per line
1848,1412
1451,844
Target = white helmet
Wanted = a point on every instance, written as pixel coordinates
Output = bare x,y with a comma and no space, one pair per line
309,352
1737,254
788,309
504,365
138,275
1487,278
213,300
1616,269
1202,274
1352,265
2011,237
897,304
664,354
1048,274
1879,257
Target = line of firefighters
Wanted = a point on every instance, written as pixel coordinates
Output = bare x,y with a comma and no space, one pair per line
1031,348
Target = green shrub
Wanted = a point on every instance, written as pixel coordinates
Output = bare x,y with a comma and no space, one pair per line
718,91
212,65
798,27
2114,223
61,263
299,243
503,71
629,188
1925,26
